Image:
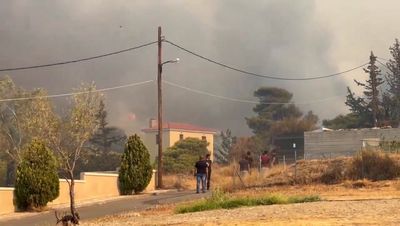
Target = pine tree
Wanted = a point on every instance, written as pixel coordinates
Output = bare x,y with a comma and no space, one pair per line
105,136
393,80
135,171
224,146
369,106
37,180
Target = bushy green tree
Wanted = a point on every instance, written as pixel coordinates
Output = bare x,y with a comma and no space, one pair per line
135,171
277,116
347,121
37,180
22,120
181,157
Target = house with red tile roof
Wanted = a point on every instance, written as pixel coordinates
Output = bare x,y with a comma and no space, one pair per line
173,132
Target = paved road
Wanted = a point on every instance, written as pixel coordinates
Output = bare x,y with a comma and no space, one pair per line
132,203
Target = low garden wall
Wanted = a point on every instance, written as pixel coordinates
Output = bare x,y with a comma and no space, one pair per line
91,186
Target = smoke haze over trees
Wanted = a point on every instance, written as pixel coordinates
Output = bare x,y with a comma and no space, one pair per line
277,37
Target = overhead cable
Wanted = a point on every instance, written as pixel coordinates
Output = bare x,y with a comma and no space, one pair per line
382,63
245,101
262,75
77,60
76,93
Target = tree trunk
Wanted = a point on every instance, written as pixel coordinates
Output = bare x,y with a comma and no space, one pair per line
72,195
11,170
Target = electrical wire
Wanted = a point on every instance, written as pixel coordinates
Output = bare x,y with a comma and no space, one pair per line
77,93
245,101
382,58
77,60
261,75
382,63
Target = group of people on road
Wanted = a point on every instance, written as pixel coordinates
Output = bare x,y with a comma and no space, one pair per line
203,173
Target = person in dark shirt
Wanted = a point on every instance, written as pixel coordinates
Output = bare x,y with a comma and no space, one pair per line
209,162
201,174
244,166
250,159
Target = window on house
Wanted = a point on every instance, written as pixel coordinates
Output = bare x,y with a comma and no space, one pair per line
204,138
180,136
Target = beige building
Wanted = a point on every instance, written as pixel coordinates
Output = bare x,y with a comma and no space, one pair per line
173,132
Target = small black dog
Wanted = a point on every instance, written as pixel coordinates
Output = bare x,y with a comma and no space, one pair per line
67,219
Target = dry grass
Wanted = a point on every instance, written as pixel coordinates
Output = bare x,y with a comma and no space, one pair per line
330,171
374,165
179,181
348,190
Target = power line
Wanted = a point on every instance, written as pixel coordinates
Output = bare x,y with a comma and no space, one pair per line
77,93
261,75
246,101
383,58
382,63
77,60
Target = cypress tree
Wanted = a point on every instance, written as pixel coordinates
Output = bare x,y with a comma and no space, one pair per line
37,181
135,171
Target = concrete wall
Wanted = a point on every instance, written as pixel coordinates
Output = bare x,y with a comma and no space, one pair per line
91,186
339,142
6,200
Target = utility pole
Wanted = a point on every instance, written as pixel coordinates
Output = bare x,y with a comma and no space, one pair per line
160,126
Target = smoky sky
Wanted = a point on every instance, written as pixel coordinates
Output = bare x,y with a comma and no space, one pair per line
275,37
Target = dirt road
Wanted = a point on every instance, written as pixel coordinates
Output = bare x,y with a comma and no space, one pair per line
361,212
128,203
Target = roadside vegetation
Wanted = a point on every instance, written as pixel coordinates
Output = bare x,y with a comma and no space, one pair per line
366,165
221,200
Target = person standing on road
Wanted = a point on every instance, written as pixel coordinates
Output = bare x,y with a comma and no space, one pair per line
209,162
201,174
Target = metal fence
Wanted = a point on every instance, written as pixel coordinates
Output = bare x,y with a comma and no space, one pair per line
329,155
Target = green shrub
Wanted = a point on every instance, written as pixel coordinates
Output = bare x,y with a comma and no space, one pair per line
222,201
373,165
37,181
181,157
135,171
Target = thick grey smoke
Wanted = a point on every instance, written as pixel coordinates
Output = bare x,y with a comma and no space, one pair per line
276,37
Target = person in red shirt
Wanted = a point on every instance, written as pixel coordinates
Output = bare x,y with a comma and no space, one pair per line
265,163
